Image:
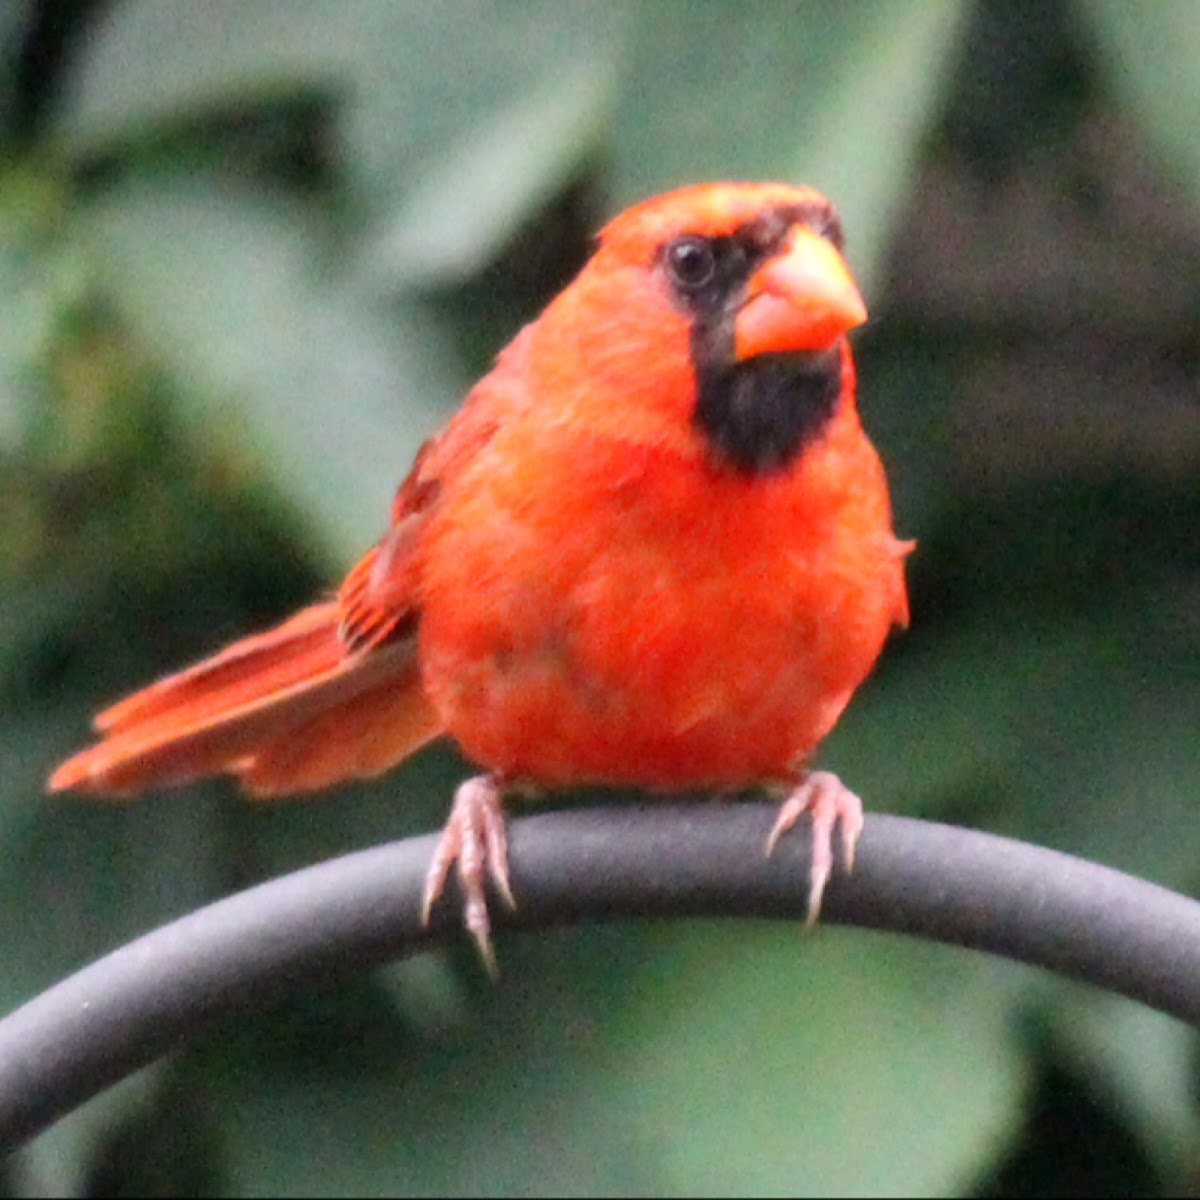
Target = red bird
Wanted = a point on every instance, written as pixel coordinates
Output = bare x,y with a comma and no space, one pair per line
654,548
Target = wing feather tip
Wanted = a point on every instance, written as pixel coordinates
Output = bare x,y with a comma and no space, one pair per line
85,773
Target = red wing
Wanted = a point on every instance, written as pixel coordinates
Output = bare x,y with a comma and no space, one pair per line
287,710
332,693
380,598
250,667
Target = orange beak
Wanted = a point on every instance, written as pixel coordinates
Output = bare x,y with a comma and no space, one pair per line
802,299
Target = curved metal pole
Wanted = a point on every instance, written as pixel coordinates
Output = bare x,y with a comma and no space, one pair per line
662,858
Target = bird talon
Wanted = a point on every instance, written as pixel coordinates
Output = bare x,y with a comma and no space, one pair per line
831,805
497,854
435,880
474,842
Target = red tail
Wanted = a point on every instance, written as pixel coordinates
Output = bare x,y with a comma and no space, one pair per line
289,710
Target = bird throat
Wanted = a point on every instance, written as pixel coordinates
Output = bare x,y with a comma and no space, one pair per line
758,415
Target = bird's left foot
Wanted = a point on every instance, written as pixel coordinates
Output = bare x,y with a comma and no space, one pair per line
831,802
473,838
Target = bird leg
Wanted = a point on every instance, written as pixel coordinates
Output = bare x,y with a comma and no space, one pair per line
473,838
830,801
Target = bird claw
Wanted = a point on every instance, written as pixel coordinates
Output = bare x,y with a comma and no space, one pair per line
474,838
830,802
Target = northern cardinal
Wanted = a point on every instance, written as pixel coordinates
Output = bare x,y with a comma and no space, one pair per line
654,547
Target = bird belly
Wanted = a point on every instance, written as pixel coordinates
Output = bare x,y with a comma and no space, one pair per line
682,634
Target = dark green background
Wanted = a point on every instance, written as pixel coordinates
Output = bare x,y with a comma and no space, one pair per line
251,253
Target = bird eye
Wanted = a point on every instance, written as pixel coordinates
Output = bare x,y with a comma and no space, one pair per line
691,262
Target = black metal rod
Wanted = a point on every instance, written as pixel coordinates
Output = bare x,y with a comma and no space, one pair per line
662,858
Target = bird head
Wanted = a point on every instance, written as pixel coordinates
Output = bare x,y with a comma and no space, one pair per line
760,263
723,307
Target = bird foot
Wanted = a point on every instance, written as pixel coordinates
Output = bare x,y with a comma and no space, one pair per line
473,838
830,801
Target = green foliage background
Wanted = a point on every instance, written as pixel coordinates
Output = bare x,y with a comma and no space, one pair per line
252,253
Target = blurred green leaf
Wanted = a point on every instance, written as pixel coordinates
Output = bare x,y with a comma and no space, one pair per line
450,139
1148,52
501,1104
461,211
1056,731
797,92
1073,1141
61,1161
721,1060
144,66
436,80
88,878
332,398
14,15
1143,1061
817,1047
41,277
942,720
